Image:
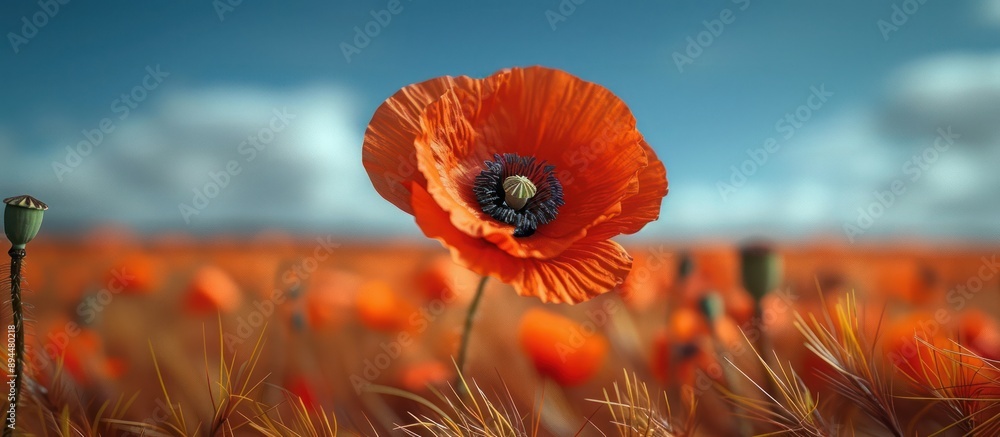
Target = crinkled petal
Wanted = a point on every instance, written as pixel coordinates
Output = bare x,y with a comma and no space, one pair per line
587,269
640,208
388,154
581,128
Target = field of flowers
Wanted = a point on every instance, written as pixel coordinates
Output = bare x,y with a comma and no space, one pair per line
282,335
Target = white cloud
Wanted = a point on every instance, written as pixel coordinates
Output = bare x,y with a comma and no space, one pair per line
820,178
989,12
961,90
309,177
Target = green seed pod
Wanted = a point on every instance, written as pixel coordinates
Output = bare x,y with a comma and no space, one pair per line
761,268
685,266
22,218
712,306
518,190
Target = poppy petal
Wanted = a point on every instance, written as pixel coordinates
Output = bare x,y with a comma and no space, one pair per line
641,208
476,254
541,113
586,269
388,154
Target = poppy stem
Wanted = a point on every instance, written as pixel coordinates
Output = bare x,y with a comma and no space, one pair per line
742,423
466,331
16,259
765,347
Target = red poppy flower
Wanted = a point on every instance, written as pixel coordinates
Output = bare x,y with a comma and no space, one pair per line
417,377
679,361
380,307
211,290
138,273
524,175
560,348
329,295
980,333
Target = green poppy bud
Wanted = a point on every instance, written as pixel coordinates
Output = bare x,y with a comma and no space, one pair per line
712,306
685,266
22,218
761,269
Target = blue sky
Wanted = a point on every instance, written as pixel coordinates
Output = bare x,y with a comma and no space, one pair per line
225,75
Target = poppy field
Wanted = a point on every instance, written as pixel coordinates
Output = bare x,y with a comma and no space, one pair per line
282,335
500,219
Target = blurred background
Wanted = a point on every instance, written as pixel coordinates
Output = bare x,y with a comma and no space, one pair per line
202,164
708,87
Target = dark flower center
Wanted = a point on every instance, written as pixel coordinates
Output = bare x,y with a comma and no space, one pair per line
519,191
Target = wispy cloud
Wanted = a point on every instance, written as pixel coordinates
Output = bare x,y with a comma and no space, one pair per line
309,176
818,181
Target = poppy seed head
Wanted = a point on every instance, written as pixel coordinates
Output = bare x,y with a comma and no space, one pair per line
507,181
518,190
22,219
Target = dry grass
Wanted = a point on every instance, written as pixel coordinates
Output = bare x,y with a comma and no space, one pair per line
793,410
858,374
635,413
966,385
474,414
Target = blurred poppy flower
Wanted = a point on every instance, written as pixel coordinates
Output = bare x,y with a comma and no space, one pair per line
937,363
980,333
416,377
328,297
677,359
560,348
136,273
524,175
901,343
211,290
437,280
381,308
300,387
687,324
907,280
81,353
